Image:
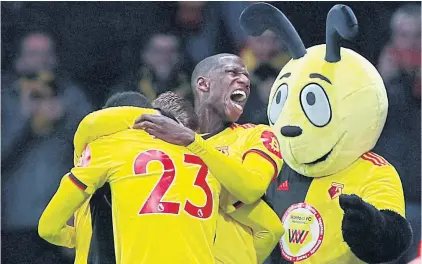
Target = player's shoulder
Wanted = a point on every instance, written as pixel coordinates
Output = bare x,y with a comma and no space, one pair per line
260,137
251,132
124,114
250,128
106,122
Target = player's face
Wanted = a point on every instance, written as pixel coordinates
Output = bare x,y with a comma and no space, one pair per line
230,88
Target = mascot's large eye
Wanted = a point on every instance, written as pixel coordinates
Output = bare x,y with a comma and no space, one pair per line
277,104
316,105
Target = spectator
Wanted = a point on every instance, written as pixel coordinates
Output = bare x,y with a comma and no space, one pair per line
401,57
208,28
264,49
160,70
264,56
400,143
41,109
262,79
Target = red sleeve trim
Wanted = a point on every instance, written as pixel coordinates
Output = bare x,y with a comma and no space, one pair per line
77,182
265,156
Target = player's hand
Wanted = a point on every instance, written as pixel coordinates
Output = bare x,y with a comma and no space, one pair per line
165,129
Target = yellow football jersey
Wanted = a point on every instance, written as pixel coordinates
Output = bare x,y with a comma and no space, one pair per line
234,241
163,197
93,220
247,138
311,213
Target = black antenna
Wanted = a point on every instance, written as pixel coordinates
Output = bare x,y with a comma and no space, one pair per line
257,18
341,22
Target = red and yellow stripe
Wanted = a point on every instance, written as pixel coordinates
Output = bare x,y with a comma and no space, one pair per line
375,159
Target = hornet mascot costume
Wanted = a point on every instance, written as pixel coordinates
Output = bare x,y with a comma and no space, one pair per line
339,202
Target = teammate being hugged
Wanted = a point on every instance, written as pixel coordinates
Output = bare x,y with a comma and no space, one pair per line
158,190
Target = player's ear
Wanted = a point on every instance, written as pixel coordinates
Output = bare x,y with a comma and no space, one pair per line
202,84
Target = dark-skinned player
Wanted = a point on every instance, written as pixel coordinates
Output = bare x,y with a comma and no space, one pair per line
246,161
106,122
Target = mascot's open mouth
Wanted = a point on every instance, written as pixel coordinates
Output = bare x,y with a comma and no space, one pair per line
326,155
320,159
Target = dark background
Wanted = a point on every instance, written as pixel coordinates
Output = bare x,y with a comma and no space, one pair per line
98,40
99,43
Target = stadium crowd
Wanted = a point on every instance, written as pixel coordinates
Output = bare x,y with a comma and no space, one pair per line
61,61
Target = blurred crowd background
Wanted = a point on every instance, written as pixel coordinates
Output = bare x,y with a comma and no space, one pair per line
61,60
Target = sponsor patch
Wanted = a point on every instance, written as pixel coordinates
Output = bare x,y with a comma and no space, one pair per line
271,143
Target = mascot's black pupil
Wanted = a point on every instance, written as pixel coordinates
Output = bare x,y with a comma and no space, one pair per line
278,97
310,98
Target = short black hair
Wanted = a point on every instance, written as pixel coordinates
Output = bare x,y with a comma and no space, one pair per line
134,99
204,67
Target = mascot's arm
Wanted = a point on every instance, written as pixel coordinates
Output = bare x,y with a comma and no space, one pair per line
265,224
374,227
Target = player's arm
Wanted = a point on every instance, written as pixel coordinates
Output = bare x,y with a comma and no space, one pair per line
73,191
248,180
106,122
52,225
265,224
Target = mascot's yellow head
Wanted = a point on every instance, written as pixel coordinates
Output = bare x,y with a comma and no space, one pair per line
328,105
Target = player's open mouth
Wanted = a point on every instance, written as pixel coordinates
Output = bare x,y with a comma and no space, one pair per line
238,98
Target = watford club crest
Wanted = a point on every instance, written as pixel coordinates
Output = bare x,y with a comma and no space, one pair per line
335,190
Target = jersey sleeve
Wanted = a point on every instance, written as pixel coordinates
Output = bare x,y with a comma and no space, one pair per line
246,181
266,233
384,189
106,122
262,141
261,153
52,225
91,170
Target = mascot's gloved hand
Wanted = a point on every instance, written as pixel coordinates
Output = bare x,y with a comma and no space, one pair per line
369,232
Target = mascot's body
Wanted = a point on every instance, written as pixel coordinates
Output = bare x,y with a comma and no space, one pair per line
311,214
339,203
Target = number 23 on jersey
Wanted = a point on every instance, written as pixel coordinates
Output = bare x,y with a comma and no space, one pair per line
154,203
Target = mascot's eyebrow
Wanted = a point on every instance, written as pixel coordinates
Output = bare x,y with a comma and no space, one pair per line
319,76
286,75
